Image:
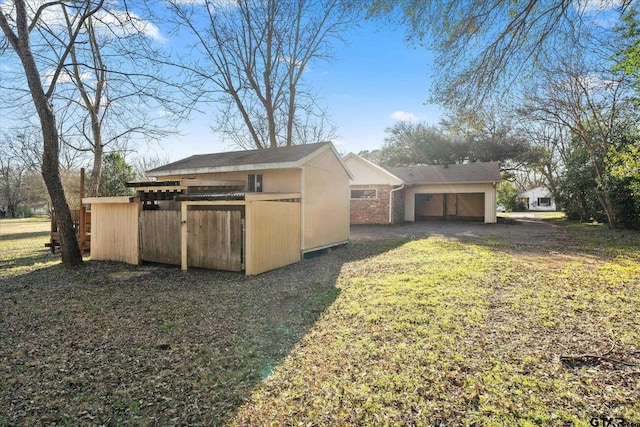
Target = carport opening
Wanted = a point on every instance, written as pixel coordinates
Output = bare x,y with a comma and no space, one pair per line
450,206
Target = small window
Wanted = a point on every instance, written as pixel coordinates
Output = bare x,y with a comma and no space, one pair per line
255,183
544,201
364,193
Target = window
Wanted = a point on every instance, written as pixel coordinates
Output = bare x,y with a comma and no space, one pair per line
544,201
364,193
255,183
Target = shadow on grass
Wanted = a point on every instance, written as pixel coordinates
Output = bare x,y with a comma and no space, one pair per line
109,343
26,235
597,236
30,258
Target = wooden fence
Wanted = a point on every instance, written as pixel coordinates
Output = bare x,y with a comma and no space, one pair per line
210,234
214,239
160,236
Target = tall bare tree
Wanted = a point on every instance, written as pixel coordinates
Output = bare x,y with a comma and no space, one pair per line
105,76
12,177
18,22
550,142
590,103
254,56
21,181
119,91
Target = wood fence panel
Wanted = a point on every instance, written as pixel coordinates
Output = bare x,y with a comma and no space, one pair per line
160,235
273,230
114,234
214,239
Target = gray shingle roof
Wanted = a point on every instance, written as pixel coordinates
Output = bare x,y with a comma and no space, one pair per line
239,158
449,174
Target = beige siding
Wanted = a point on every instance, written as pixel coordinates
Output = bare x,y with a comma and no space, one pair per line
325,199
490,200
272,235
160,236
365,173
114,232
274,181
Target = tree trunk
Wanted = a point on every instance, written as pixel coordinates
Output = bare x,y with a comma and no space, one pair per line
93,105
608,209
71,254
96,172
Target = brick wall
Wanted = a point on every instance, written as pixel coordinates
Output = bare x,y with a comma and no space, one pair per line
398,206
371,211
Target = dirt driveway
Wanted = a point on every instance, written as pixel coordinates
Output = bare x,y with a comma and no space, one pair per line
516,229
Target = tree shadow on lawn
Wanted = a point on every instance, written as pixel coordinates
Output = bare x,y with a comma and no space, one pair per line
26,259
109,343
25,235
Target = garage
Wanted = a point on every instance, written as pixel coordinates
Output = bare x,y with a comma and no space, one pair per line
464,192
450,206
388,195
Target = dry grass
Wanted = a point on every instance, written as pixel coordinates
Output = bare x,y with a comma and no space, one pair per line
405,331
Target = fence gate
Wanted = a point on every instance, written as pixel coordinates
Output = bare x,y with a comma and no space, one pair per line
160,236
214,239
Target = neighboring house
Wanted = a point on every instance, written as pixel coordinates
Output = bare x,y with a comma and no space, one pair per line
250,210
395,194
537,199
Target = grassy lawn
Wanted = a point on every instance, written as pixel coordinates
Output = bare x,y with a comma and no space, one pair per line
22,245
384,332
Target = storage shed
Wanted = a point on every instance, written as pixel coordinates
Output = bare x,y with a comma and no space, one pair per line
248,210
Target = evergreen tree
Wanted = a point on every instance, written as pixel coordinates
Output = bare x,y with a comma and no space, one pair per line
115,174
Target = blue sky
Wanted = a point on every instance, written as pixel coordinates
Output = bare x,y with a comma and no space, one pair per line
375,80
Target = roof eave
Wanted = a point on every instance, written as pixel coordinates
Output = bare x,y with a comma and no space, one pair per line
253,166
229,168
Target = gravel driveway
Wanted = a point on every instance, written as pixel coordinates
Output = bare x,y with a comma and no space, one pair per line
526,229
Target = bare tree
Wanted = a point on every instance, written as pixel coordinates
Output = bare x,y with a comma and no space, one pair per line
142,164
590,103
485,47
18,24
11,182
112,92
118,91
22,184
550,142
254,56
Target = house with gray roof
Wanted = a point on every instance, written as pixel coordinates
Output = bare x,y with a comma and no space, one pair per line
390,195
249,211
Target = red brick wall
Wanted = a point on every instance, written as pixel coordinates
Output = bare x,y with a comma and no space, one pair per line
371,211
